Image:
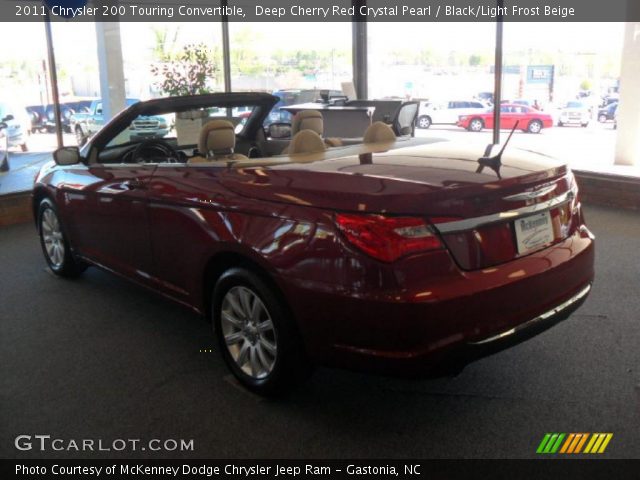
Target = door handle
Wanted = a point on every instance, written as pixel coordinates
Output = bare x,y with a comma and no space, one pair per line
134,184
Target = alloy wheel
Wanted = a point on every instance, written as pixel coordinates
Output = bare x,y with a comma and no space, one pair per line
476,125
535,127
52,238
248,331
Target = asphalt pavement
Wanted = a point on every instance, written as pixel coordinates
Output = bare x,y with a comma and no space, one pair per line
99,358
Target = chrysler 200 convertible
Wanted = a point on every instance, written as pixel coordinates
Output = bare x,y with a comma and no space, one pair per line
399,255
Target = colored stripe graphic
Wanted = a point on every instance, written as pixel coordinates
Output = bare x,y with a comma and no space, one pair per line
598,442
573,443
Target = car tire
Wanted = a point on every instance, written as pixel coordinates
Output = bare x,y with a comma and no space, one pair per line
584,125
80,138
535,126
476,125
55,245
424,122
24,147
560,124
602,118
259,342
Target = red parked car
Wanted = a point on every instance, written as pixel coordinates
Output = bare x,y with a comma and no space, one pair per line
404,256
530,120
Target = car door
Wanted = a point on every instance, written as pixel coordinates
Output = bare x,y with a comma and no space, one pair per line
186,215
107,206
507,116
451,113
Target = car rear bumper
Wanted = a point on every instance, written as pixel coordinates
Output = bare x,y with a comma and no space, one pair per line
483,312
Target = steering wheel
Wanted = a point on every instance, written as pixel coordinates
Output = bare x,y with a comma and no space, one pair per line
155,147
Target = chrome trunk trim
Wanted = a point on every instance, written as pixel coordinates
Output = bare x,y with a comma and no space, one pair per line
472,223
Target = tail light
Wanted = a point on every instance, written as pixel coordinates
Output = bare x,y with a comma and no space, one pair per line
388,238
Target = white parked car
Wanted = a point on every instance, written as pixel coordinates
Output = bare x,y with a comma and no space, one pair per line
447,112
574,113
17,122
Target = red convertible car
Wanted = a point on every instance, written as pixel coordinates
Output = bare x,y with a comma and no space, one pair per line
529,119
399,255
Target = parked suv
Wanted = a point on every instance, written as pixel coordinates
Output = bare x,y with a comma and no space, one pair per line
575,113
447,112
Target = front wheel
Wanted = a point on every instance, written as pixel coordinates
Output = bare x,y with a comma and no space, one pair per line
257,336
534,126
602,118
80,138
55,245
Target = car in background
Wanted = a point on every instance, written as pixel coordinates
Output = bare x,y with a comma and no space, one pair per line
609,99
575,113
529,119
485,97
447,113
17,123
86,124
294,97
607,113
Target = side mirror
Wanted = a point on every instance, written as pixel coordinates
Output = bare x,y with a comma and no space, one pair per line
67,156
279,130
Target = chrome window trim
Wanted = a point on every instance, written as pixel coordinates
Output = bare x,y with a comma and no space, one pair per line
549,313
472,223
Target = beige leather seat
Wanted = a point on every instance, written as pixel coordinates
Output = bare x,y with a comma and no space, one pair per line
379,132
217,142
306,141
307,120
310,120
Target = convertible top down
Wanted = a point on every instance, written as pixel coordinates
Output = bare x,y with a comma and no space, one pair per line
384,253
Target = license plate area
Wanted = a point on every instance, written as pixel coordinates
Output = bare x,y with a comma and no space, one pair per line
533,232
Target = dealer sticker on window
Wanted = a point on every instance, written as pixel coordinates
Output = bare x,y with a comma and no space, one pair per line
533,232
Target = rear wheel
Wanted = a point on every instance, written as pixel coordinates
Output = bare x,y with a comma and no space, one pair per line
602,118
257,336
55,245
424,121
534,126
476,125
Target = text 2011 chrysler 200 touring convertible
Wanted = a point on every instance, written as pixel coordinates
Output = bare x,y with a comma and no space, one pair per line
399,255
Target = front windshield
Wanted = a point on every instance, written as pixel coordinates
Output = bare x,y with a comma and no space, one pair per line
574,105
182,129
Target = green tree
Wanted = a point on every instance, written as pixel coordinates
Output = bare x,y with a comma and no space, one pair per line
191,73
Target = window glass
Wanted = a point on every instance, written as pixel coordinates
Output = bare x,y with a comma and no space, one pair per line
297,62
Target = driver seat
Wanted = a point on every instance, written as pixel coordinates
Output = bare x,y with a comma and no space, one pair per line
217,142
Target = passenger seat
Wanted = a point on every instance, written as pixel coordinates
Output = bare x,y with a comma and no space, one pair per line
217,142
310,120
